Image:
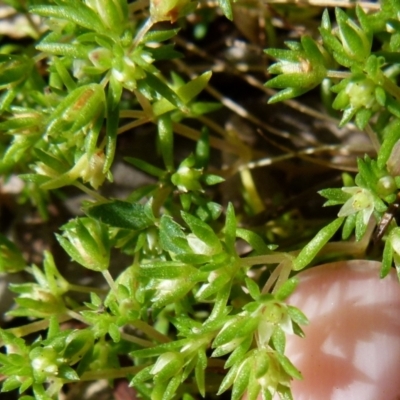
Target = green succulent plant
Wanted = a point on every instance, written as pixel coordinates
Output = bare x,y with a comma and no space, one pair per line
188,300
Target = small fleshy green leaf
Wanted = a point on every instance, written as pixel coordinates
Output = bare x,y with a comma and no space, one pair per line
13,68
311,249
286,289
195,259
164,90
172,387
11,383
95,299
362,118
167,270
254,240
229,378
393,106
348,114
279,340
283,54
78,343
226,8
380,95
82,15
172,237
187,178
325,21
297,80
20,123
114,92
145,166
314,55
55,281
202,153
288,366
142,376
366,172
168,364
242,380
253,391
387,259
334,196
391,137
209,211
65,49
360,226
160,349
284,392
210,179
86,241
230,227
166,138
349,226
253,288
80,107
191,89
239,353
216,286
111,135
231,330
296,315
202,231
121,214
220,309
67,373
11,259
199,373
159,35
113,14
355,41
114,332
203,107
286,94
332,43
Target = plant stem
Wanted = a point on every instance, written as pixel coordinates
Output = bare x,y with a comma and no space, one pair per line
336,3
125,336
252,195
107,276
150,331
214,142
131,114
391,88
133,124
272,278
136,340
373,137
338,74
305,155
267,259
33,327
142,31
111,373
90,192
85,289
286,268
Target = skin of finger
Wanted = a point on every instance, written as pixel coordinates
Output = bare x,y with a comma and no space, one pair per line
351,349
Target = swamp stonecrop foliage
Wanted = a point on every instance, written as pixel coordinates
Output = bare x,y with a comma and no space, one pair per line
188,303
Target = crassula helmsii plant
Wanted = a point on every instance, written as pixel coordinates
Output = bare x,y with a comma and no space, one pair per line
190,313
